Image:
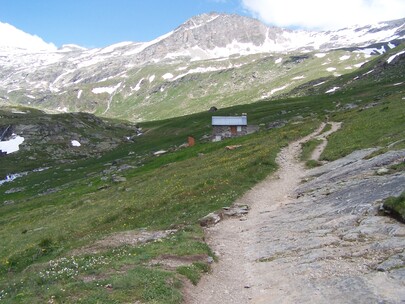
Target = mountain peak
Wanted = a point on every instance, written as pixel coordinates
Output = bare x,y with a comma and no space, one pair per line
198,21
71,48
13,38
211,31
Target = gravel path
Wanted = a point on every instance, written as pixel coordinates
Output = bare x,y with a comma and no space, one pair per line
294,248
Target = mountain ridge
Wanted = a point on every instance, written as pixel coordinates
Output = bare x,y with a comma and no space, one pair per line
142,75
205,20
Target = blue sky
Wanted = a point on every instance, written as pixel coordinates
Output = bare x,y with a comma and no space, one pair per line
99,23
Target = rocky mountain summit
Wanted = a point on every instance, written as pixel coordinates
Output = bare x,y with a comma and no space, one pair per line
142,76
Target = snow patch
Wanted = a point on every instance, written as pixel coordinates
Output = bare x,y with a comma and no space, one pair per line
89,62
64,109
279,60
278,89
138,85
75,143
11,177
393,56
368,72
390,45
167,76
372,51
357,65
79,94
298,77
141,46
274,91
194,26
71,48
111,48
344,57
318,84
12,145
108,90
332,90
367,51
381,50
160,152
320,55
331,69
151,78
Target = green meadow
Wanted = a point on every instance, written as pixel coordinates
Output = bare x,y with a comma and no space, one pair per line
49,218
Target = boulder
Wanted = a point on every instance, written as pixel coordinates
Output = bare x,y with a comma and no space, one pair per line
210,219
276,124
237,210
118,179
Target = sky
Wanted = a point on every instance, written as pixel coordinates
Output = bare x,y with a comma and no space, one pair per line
99,23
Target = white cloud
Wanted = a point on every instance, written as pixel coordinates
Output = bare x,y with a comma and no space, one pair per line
324,14
12,37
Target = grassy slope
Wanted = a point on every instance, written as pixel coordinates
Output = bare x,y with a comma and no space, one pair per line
228,87
229,82
173,190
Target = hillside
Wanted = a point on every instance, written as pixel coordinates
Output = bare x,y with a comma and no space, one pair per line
101,226
58,139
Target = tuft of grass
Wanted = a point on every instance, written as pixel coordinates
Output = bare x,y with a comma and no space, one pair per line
396,207
309,147
312,163
194,271
327,128
397,167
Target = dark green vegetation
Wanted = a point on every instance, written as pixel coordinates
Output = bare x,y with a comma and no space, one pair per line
46,216
396,207
48,137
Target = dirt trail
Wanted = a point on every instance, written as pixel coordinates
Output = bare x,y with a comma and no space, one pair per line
242,275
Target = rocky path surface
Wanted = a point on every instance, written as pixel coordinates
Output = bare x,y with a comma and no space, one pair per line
313,242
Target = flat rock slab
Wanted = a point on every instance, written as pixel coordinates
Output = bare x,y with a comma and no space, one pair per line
331,244
130,238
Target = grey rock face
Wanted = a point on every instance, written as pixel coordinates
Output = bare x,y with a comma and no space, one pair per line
333,237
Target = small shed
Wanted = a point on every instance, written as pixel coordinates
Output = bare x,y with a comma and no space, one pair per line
228,126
